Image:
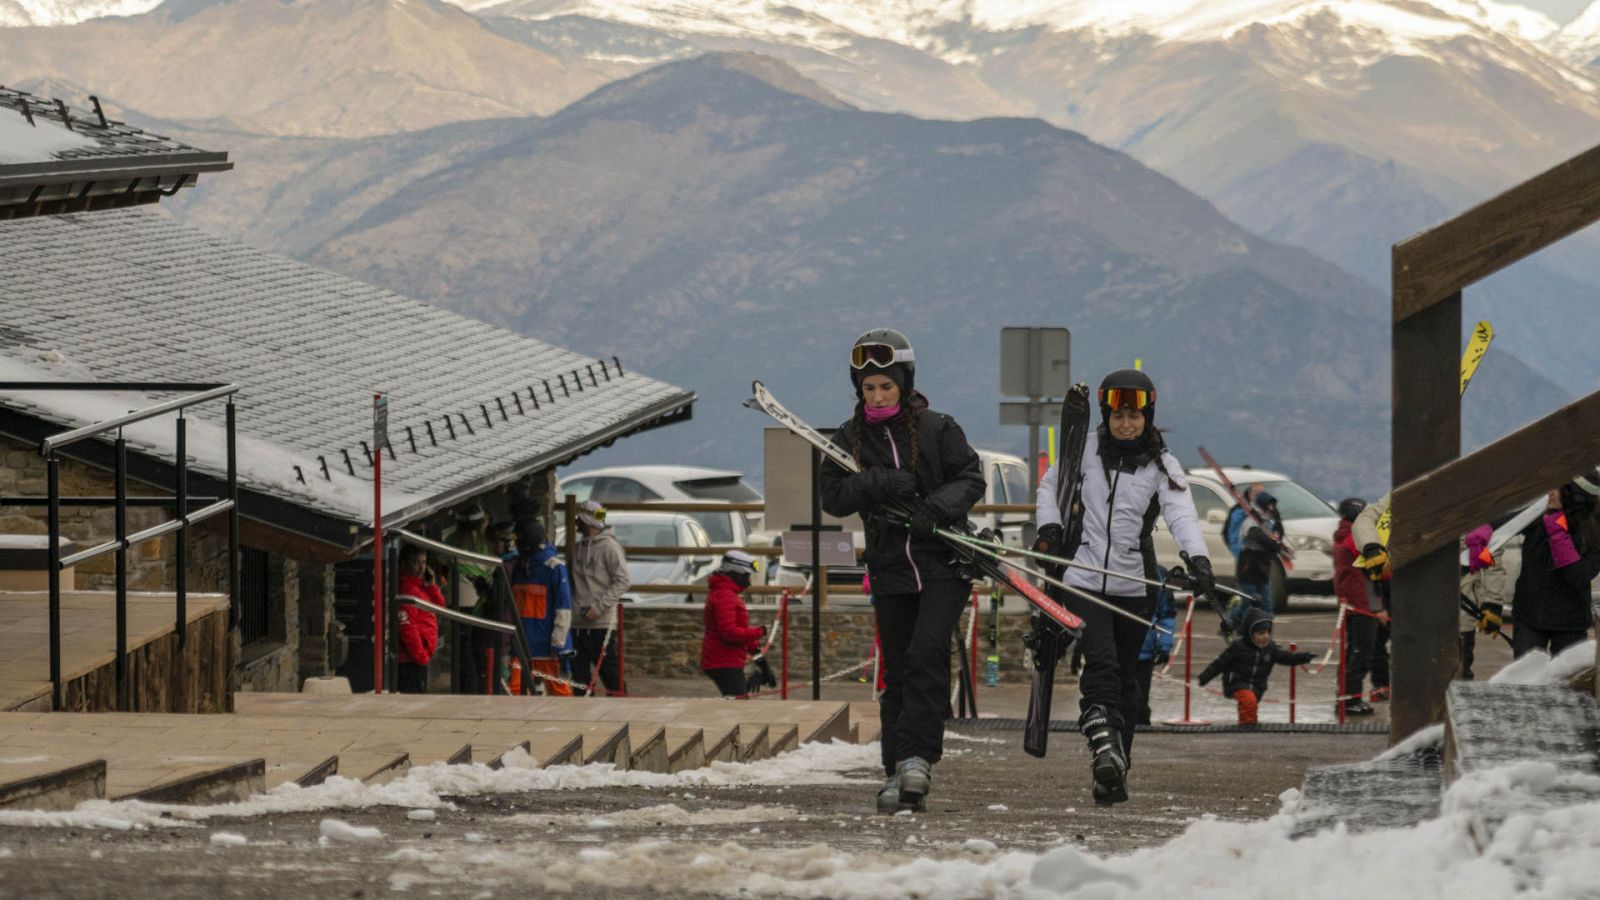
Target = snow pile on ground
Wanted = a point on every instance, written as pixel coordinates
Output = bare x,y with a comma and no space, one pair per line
426,787
662,815
1538,668
336,830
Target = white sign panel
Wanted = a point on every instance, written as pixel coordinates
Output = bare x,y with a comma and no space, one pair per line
838,548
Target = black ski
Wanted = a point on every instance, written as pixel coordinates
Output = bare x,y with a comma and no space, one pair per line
1047,642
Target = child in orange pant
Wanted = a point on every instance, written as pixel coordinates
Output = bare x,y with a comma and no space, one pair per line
1246,664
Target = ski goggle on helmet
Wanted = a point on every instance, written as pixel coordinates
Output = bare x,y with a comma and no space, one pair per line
880,356
1118,397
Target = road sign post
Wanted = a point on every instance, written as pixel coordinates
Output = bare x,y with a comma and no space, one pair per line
1033,364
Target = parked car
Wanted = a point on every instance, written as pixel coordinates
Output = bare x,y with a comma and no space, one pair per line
648,529
1308,525
676,484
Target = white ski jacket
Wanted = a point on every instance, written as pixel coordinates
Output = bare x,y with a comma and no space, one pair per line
1114,506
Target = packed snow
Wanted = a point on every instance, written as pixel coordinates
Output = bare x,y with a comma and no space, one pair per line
39,142
1536,666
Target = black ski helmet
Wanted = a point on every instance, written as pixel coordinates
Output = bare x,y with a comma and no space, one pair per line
887,352
1350,507
1128,380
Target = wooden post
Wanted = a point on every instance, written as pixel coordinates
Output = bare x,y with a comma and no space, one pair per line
1425,433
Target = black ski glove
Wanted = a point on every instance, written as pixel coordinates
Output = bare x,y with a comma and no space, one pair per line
896,484
1372,550
1050,540
923,523
1204,679
1201,576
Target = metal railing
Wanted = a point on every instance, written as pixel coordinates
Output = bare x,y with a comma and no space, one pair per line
518,638
50,448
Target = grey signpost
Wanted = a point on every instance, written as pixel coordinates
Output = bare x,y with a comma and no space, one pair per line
1033,364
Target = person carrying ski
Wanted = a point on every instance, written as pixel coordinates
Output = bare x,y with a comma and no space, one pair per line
729,639
599,579
1125,469
1233,529
542,595
1363,609
1257,552
1560,556
1374,560
1483,594
918,474
1246,664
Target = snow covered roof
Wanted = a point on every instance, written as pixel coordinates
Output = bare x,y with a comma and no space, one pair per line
130,295
57,159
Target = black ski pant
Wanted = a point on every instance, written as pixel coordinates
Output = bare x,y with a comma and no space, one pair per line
1380,657
586,644
1525,638
1146,673
1111,645
915,631
730,682
1360,653
413,678
1469,641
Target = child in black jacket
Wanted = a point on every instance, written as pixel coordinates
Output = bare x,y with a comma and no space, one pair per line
1246,664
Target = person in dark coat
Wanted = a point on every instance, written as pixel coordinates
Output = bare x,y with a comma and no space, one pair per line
729,639
1560,556
918,474
1246,664
1363,610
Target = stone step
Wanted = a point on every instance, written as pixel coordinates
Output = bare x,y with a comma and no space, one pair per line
1391,793
50,783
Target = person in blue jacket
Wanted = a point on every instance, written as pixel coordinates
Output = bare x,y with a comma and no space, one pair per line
1157,647
543,599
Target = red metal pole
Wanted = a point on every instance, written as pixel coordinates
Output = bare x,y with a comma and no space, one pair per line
622,680
783,691
1292,671
377,564
1338,692
1188,663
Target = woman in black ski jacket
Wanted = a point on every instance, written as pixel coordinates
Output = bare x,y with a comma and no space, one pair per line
1560,556
918,473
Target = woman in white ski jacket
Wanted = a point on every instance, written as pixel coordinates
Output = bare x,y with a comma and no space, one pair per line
1126,479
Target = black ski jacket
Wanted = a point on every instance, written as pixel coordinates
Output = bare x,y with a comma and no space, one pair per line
949,482
1548,598
1244,665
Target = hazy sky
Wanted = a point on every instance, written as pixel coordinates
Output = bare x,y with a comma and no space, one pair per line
1562,11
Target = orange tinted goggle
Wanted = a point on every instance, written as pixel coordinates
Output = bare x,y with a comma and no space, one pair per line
879,355
1117,398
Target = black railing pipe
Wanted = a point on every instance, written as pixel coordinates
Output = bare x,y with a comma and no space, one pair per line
181,549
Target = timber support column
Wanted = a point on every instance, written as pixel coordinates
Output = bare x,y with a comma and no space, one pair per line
1425,434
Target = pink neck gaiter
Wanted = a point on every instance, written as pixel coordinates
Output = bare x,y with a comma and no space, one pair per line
877,415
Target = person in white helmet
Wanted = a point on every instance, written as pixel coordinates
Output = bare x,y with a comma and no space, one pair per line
599,579
730,640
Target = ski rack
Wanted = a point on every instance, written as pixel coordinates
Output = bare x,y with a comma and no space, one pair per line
764,401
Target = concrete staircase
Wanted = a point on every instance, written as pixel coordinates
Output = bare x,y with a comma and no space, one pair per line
1487,726
52,761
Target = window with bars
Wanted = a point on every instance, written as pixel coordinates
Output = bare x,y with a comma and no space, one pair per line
255,603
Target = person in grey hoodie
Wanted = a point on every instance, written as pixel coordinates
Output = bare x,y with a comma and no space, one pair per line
599,579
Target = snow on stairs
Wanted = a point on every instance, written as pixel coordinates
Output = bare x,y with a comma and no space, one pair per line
55,760
1487,726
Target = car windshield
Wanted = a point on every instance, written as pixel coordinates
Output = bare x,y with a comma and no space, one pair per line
719,525
727,489
646,534
1294,501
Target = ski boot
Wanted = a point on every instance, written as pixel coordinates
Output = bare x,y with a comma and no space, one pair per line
889,795
1109,765
916,779
1357,708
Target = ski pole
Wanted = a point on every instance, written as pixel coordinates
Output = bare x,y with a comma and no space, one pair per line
1061,561
1055,582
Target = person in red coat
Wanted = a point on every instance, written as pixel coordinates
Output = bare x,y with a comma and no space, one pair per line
419,629
729,639
1363,608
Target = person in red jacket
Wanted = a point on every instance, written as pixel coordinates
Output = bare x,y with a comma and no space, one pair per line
1363,609
729,639
419,629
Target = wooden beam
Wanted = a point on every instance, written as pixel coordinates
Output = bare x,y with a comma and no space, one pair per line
1425,433
1439,262
1452,499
